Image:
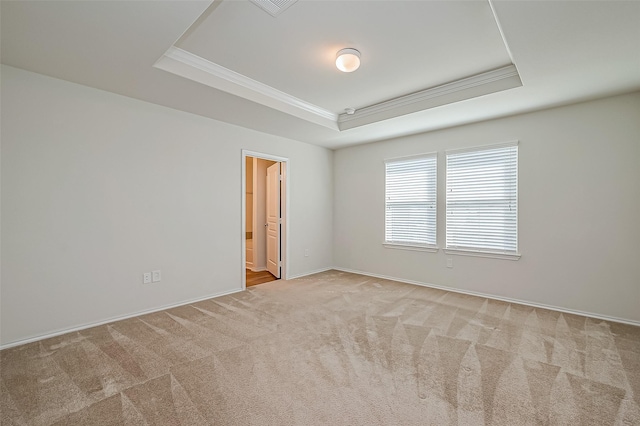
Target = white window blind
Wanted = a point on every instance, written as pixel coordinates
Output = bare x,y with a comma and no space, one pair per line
410,201
482,199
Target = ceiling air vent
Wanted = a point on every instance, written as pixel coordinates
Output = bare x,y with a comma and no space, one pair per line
273,7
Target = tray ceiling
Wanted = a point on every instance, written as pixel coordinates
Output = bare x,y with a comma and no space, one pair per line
410,51
426,65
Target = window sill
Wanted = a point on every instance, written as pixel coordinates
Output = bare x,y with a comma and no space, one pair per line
478,253
430,249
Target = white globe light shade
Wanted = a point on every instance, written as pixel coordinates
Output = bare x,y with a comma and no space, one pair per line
348,60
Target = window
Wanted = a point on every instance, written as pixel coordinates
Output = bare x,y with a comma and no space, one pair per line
410,202
482,201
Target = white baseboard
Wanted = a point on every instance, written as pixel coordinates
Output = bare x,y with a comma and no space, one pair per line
259,269
135,314
110,320
353,271
317,271
494,297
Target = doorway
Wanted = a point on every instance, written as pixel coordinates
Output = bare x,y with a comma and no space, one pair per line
264,225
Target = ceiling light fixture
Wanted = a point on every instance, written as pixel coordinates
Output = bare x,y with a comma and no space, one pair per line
348,60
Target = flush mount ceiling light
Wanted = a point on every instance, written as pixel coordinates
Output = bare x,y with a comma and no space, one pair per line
348,60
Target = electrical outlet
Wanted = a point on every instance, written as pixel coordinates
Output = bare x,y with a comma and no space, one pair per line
156,276
449,263
306,252
146,278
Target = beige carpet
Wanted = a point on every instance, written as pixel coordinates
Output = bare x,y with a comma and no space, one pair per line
335,349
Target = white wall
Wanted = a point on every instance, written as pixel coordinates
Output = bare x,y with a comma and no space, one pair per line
98,188
579,202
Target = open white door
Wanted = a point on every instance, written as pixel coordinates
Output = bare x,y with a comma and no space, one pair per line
273,219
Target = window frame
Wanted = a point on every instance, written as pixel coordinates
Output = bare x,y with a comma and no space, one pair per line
484,252
428,247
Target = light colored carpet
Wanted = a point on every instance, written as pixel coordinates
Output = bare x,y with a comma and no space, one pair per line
333,348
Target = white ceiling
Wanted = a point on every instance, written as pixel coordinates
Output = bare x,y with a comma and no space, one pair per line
563,51
295,52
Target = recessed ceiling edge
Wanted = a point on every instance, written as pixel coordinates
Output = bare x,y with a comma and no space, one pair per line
485,83
186,64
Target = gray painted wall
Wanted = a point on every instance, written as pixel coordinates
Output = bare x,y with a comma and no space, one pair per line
579,209
98,188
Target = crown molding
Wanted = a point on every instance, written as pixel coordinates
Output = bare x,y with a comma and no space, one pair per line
504,37
186,64
481,84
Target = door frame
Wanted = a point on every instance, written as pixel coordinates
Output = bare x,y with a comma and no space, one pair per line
284,212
